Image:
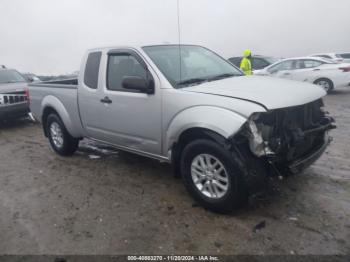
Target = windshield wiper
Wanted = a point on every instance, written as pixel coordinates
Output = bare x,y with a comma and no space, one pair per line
192,81
221,76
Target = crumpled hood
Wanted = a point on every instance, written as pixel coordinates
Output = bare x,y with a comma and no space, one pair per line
13,87
270,92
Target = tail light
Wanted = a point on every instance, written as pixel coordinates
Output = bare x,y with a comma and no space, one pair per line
345,69
27,96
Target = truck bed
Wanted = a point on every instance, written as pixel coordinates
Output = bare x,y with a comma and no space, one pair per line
66,83
61,95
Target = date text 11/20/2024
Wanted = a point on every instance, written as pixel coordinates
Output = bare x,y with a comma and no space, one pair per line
173,258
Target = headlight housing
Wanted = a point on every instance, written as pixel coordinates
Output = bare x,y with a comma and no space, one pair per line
257,144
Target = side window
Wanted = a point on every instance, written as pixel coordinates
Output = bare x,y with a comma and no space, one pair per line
91,70
312,63
121,65
285,65
259,63
301,64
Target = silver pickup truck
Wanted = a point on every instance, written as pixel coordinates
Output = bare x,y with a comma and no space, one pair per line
14,101
225,133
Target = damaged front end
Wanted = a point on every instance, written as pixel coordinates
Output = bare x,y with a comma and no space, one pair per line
288,140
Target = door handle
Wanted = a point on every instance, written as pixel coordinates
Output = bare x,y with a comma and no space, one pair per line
286,74
106,100
316,69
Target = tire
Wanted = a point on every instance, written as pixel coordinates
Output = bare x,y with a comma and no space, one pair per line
326,83
222,201
62,143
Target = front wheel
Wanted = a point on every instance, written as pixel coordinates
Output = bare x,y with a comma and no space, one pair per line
61,141
212,176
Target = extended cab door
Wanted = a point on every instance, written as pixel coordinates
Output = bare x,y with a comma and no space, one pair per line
127,118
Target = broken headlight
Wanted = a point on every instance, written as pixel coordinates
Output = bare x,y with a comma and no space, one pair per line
258,146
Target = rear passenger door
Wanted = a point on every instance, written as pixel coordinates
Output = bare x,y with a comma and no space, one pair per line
127,118
305,69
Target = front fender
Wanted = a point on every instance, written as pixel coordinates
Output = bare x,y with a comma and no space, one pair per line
56,104
220,120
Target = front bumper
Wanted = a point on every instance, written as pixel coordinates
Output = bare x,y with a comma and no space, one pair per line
300,164
14,110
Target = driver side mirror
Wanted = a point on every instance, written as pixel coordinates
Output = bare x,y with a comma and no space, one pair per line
138,83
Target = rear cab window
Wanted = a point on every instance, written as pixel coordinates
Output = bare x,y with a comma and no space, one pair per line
92,70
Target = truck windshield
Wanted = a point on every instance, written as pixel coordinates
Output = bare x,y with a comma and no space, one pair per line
185,65
10,76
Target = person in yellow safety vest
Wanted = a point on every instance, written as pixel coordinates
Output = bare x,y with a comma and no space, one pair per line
246,62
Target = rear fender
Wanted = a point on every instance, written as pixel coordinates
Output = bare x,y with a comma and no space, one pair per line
54,103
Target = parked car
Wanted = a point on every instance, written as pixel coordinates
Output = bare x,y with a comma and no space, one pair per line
345,56
258,61
317,70
225,133
333,56
13,94
29,77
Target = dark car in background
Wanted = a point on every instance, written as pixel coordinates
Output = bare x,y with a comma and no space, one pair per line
14,98
258,61
346,57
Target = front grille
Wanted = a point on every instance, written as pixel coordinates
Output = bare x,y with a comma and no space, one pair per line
295,131
13,98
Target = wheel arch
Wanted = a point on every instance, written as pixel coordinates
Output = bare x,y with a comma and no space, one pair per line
188,136
216,124
215,119
51,104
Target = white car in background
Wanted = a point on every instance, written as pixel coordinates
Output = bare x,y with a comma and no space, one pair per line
333,56
320,71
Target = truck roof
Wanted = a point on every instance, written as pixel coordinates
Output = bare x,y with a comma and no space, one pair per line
136,46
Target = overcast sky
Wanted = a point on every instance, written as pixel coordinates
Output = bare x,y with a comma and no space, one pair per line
50,36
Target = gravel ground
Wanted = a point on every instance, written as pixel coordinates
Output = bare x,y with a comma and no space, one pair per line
102,201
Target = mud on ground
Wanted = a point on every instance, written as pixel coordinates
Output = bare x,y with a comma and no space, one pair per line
102,201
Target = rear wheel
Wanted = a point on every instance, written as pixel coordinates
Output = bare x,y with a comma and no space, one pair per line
211,176
61,141
326,83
